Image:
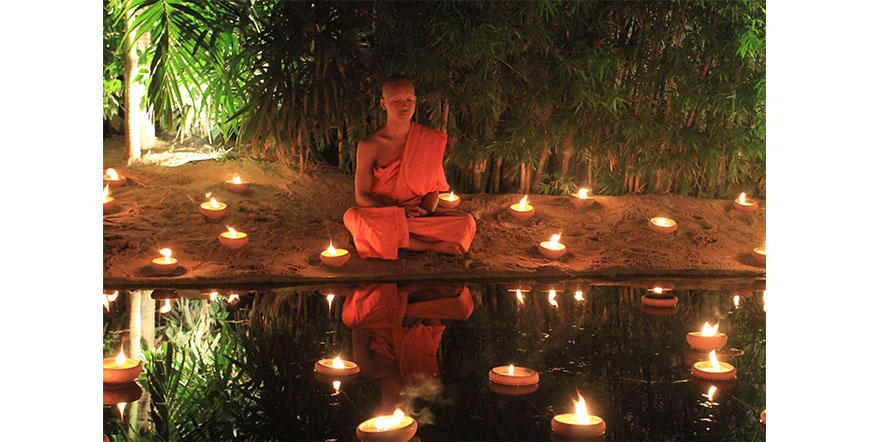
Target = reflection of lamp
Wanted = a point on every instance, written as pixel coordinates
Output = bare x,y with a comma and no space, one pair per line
114,394
657,298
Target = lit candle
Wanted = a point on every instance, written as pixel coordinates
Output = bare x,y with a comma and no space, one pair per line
397,427
112,178
582,199
333,257
237,184
745,205
707,339
108,201
661,224
212,210
448,201
713,370
165,265
120,370
579,425
232,239
760,254
513,376
522,210
336,367
552,249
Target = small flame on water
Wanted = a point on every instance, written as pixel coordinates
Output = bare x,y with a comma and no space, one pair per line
337,362
383,423
511,370
578,295
520,297
106,193
336,385
583,193
120,359
552,298
167,254
580,412
166,307
237,180
331,250
523,203
714,360
709,331
742,198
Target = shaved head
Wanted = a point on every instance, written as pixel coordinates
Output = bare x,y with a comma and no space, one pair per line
395,83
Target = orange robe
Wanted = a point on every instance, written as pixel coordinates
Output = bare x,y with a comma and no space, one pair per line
382,307
412,172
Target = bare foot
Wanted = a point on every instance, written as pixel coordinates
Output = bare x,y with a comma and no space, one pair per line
447,248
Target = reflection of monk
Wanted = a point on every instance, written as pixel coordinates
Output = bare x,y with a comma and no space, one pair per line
398,177
397,331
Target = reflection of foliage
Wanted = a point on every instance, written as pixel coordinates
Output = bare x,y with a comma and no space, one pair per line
556,184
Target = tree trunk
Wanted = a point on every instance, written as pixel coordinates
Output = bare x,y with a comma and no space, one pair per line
445,110
542,163
138,125
496,175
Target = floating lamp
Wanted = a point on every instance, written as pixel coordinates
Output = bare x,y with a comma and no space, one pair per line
232,239
336,367
333,257
760,254
552,249
108,201
582,199
448,201
112,179
745,205
513,376
713,370
661,224
397,427
165,265
707,339
580,425
237,185
120,370
212,210
521,210
658,298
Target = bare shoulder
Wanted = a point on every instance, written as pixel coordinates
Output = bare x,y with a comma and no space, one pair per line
372,142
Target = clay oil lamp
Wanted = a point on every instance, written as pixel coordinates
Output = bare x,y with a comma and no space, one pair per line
165,265
212,210
336,367
237,184
658,311
552,249
580,424
164,294
114,394
333,257
120,370
398,427
661,224
707,339
112,179
713,370
760,254
657,298
448,201
582,199
232,239
745,205
512,376
522,210
108,201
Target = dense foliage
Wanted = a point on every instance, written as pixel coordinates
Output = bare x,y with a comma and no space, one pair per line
537,96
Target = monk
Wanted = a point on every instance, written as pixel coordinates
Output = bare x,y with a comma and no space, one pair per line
399,174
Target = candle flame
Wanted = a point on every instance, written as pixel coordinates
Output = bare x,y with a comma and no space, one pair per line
582,193
212,296
336,385
578,295
742,198
711,392
657,290
736,301
232,232
452,197
331,250
554,241
709,331
385,423
120,359
520,297
523,203
511,370
580,412
106,194
233,297
166,307
112,174
661,222
167,253
237,180
337,363
552,298
714,360
214,203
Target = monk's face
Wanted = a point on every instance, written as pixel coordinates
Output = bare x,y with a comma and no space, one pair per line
399,100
